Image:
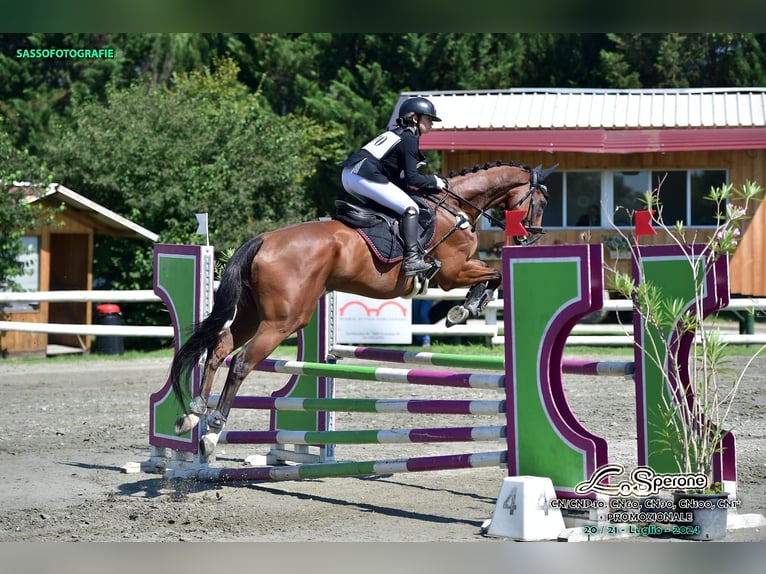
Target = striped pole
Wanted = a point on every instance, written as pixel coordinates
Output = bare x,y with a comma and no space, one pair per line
489,362
383,374
352,468
390,436
599,368
419,406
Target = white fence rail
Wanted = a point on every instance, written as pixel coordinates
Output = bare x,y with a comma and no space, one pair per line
137,296
582,334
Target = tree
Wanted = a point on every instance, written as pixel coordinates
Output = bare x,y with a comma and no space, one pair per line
157,155
684,60
17,214
35,90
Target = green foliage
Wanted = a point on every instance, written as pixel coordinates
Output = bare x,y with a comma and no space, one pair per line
35,91
159,155
15,216
684,60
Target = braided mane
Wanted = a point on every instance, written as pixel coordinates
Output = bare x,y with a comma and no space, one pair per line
488,165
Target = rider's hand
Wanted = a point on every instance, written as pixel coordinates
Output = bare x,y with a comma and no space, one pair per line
441,183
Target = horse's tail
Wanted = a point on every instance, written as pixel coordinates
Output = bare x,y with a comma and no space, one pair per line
206,333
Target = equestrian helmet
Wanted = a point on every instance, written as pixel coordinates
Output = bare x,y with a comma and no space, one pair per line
418,106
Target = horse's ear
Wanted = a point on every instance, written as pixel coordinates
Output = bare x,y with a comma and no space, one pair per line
546,172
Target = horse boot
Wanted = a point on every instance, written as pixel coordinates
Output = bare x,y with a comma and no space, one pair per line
413,263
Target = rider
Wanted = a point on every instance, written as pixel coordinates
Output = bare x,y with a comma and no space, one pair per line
385,170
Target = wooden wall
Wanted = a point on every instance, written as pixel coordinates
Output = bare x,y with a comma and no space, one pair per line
748,265
74,245
34,344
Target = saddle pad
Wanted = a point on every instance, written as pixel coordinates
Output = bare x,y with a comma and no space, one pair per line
379,227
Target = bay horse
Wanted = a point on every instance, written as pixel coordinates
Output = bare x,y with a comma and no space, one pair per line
272,283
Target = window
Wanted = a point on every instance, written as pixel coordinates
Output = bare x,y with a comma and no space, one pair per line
553,216
593,198
575,199
30,279
583,196
596,198
703,211
681,195
673,201
629,188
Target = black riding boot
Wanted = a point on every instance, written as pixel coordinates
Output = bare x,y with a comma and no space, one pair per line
413,254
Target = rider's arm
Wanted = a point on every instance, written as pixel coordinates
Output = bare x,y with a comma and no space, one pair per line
414,181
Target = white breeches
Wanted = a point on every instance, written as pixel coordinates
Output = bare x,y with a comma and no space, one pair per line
386,194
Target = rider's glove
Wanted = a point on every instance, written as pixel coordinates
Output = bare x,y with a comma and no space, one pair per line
441,183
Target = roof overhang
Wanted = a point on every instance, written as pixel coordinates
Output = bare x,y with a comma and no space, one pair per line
598,141
104,220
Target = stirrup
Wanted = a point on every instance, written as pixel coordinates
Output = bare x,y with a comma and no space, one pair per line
412,271
426,274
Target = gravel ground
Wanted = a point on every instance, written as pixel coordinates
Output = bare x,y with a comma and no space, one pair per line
70,425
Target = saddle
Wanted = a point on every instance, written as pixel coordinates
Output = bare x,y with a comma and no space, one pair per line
379,227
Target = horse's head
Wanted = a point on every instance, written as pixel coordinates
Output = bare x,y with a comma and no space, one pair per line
536,198
506,186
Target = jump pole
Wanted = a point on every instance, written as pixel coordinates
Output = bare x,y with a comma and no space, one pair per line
385,374
490,362
355,468
388,406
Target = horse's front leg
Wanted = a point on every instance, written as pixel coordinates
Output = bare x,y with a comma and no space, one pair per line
475,302
199,404
483,281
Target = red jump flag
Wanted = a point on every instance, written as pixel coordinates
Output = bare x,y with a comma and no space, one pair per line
643,221
513,225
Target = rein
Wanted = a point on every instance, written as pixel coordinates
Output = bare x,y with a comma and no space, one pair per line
534,185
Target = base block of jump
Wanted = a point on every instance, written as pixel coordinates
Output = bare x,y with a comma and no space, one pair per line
523,510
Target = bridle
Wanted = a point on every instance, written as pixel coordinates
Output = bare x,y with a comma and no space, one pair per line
533,231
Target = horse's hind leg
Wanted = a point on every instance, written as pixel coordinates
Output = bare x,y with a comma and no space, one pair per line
266,339
198,405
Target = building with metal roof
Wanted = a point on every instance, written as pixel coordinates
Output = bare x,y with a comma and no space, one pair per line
611,147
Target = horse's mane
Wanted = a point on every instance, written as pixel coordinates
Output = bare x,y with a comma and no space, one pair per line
488,165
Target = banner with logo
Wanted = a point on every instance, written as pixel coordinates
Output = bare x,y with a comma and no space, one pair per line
365,320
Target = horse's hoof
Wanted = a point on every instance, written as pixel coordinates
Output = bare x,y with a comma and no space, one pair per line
457,315
185,423
206,447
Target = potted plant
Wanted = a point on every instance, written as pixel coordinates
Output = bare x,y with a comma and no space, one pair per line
700,386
